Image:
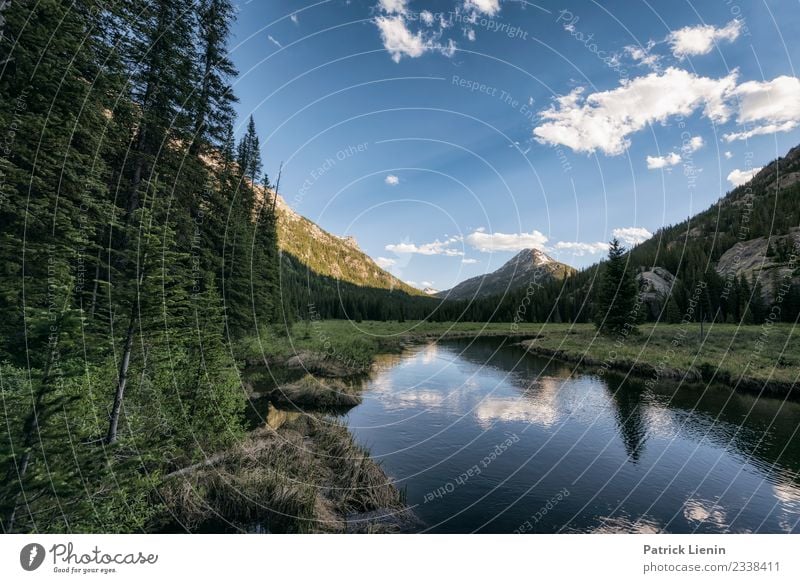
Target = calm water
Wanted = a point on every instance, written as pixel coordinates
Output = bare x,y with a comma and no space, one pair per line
486,438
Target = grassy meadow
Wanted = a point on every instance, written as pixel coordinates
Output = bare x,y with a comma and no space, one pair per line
727,353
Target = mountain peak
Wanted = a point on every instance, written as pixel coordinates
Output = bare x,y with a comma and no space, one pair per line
534,256
526,267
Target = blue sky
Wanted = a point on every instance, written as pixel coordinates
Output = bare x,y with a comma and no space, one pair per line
447,135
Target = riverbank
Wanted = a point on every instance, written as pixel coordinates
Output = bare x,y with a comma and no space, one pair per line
300,473
295,465
299,470
754,359
748,358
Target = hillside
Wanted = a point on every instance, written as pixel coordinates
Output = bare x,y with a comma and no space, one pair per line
751,233
331,256
743,249
730,258
529,266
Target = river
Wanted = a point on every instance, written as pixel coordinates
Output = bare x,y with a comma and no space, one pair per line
484,437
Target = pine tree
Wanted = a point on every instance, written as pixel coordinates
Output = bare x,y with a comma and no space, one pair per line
249,153
757,304
53,194
162,45
160,54
265,277
212,402
154,287
615,301
672,313
115,237
213,107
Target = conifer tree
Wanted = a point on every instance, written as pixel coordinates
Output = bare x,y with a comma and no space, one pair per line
53,193
249,153
213,107
615,300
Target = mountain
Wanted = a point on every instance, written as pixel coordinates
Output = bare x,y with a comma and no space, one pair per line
331,256
430,291
526,267
751,233
737,259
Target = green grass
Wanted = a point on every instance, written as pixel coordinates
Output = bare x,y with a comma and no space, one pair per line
273,478
731,352
760,353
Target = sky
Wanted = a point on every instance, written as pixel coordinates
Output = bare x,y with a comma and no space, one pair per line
448,135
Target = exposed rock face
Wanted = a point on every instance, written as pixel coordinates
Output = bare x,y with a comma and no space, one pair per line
656,286
529,266
750,259
350,240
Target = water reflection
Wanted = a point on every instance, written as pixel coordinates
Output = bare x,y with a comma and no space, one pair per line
630,414
669,458
705,512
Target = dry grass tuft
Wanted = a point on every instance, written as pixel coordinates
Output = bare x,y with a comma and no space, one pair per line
305,477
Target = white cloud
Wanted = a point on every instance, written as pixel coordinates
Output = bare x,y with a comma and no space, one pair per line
448,50
426,16
770,106
728,155
385,262
699,40
580,249
643,54
391,180
469,261
694,144
631,235
293,17
656,162
393,6
437,247
275,42
739,177
470,34
398,40
774,128
426,283
488,7
605,119
488,242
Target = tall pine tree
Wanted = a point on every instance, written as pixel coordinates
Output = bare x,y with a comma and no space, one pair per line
616,299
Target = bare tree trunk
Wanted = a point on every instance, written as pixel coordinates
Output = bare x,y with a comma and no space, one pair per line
277,190
96,280
122,380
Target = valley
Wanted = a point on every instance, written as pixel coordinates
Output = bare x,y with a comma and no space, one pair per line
182,350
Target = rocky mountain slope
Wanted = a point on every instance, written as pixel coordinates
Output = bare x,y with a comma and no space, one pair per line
767,259
744,248
331,256
527,267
